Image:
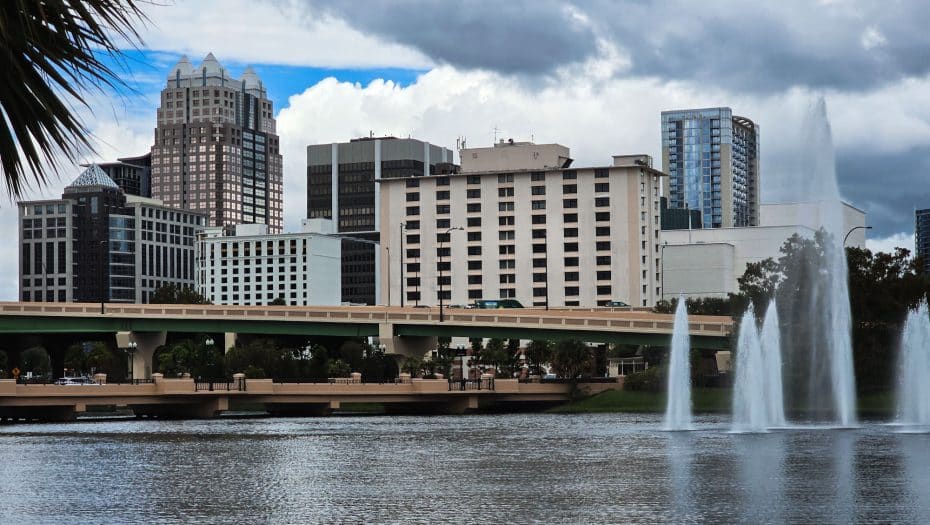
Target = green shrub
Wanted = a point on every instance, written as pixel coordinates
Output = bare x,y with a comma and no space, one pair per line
650,380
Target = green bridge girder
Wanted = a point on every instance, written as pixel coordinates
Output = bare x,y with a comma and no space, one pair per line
39,324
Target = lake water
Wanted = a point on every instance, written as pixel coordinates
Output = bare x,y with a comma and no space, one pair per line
600,468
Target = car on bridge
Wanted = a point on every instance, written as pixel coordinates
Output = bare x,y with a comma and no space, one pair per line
76,381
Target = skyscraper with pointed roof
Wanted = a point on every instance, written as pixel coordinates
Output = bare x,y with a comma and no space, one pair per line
216,150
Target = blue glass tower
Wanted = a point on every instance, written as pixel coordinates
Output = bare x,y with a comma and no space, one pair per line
712,159
922,237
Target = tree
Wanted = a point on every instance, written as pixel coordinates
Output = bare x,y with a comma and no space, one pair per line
571,358
36,360
494,353
53,53
278,302
172,294
190,356
538,352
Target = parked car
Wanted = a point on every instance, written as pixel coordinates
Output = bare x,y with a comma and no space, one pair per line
616,304
75,381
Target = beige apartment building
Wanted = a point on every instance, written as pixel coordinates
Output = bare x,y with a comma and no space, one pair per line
520,222
216,151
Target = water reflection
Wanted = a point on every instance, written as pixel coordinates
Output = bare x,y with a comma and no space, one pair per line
761,460
475,469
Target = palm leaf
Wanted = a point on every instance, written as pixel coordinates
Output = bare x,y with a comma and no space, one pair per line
51,53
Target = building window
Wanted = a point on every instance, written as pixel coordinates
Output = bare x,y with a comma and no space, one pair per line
571,261
539,234
413,210
506,220
571,291
604,290
473,194
505,192
570,188
474,294
603,275
539,219
539,205
442,224
505,177
474,265
474,279
538,190
474,221
569,175
474,236
413,183
413,197
602,231
570,203
602,245
602,201
601,187
571,232
602,216
442,181
507,264
539,248
507,249
569,218
473,179
473,207
571,247
601,173
504,206
442,209
602,260
571,276
474,250
537,176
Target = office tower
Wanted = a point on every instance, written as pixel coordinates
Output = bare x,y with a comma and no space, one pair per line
253,267
922,237
341,185
132,174
97,243
519,222
216,151
712,160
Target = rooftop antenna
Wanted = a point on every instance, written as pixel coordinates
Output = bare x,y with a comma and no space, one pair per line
496,131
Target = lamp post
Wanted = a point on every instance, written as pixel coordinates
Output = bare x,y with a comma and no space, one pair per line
441,240
854,228
388,250
131,350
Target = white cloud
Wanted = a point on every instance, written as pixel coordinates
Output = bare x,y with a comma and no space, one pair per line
872,38
888,244
256,32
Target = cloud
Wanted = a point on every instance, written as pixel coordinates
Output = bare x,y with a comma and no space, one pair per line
268,32
517,36
888,244
796,43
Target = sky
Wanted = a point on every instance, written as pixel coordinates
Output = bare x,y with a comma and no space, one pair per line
592,75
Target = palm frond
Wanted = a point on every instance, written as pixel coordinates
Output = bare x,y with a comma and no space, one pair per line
51,52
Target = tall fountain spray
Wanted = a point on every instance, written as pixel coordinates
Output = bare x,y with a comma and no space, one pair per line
819,316
771,361
914,369
750,408
678,410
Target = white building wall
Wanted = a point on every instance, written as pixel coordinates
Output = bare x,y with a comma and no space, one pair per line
634,271
302,268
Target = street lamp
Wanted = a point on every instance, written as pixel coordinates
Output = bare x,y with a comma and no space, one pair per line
854,228
441,240
131,349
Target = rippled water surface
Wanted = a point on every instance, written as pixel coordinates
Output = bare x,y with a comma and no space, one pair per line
464,469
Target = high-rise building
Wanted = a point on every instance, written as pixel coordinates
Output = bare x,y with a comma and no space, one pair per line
341,185
922,237
216,151
133,175
254,268
712,160
97,243
531,228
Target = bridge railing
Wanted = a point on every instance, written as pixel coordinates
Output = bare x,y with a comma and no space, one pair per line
462,385
213,385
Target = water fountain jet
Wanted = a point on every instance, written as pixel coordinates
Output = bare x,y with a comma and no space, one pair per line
678,409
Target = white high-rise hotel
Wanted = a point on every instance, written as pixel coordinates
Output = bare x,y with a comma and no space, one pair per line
216,150
533,228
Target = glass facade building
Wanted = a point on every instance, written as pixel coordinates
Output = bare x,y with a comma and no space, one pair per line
922,237
712,159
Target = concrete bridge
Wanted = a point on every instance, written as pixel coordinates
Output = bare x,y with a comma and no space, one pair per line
175,398
405,331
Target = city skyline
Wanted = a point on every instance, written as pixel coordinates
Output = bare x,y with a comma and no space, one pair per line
336,80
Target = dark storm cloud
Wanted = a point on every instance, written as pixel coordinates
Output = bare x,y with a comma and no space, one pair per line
887,186
751,46
515,36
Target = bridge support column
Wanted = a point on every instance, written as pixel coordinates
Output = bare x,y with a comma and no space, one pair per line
146,343
229,341
406,346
